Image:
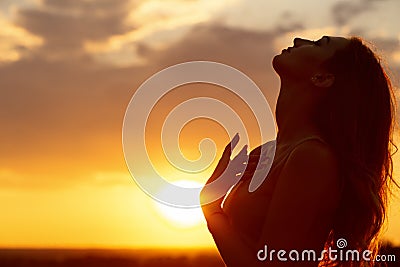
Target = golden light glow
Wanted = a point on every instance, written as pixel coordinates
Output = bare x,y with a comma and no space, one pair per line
396,57
63,179
157,24
13,36
181,217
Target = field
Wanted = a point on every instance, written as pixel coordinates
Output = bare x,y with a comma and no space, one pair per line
127,257
114,258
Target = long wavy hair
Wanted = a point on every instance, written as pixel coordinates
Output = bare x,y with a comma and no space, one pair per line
357,119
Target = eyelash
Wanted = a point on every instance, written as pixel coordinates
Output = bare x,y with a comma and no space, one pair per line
317,42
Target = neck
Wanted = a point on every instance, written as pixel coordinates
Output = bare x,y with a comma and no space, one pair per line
294,112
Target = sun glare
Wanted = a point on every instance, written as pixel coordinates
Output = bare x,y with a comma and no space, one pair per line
182,217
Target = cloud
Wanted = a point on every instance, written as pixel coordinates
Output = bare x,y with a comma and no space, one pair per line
389,45
67,114
15,41
65,25
344,11
159,23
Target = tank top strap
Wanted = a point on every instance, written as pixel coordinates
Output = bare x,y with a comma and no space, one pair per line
281,159
312,137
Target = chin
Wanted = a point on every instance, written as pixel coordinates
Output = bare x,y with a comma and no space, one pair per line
276,63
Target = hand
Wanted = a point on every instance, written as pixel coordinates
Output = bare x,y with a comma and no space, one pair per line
258,162
228,172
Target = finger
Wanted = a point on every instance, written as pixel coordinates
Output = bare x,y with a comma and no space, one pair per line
226,155
232,144
252,166
237,164
225,158
241,159
257,160
235,140
256,166
243,151
256,151
254,159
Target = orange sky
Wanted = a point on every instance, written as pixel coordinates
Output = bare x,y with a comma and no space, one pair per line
68,70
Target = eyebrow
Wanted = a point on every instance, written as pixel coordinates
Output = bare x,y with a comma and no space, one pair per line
328,39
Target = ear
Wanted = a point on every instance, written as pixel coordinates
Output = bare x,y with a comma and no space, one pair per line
323,80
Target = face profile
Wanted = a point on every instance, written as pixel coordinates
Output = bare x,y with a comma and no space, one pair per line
332,168
305,58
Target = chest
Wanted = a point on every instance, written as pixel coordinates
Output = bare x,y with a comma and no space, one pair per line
247,211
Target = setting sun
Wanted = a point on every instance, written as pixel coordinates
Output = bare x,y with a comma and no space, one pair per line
182,217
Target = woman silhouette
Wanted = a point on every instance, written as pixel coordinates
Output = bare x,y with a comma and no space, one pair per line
332,166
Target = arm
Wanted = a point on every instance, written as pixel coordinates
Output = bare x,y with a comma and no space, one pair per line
304,200
232,249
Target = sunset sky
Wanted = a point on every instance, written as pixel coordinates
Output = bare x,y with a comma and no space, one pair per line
68,70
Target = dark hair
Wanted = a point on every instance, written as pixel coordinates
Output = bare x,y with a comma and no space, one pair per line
357,119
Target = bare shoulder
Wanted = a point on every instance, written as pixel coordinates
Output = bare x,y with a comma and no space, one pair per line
312,162
311,173
305,197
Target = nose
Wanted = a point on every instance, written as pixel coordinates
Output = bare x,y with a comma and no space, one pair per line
299,42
